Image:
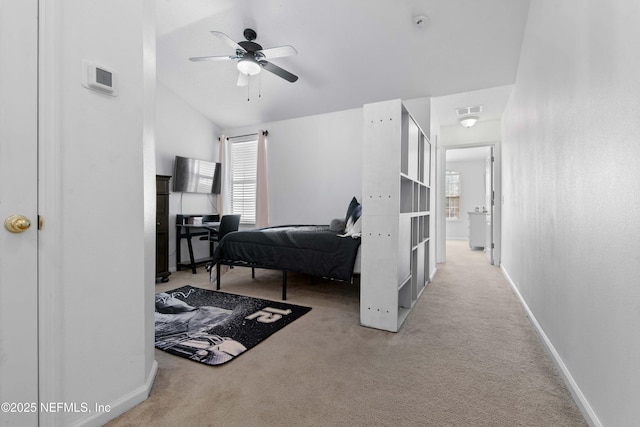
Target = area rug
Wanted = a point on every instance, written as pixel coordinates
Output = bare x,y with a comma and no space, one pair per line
215,327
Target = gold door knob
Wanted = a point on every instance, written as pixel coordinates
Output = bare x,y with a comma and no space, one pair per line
17,223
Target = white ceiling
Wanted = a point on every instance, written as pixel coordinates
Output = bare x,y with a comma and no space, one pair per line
350,52
467,154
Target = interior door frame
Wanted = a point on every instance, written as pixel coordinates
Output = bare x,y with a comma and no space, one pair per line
50,208
496,217
490,201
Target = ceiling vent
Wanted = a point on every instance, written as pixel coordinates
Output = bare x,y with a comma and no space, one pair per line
463,111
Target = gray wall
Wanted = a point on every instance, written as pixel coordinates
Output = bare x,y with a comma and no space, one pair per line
570,216
183,131
314,166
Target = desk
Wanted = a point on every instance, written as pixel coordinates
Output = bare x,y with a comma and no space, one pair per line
187,231
162,227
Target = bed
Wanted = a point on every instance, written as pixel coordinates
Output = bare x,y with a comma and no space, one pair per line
317,250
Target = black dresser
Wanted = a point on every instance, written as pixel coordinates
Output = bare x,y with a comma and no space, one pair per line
162,227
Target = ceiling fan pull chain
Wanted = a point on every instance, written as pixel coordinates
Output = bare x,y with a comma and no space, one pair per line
248,86
259,85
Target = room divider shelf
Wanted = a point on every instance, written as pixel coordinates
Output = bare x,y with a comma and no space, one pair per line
396,220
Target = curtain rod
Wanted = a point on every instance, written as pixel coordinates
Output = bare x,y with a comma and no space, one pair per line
264,132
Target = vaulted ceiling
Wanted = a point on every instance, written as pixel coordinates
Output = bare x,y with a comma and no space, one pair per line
350,52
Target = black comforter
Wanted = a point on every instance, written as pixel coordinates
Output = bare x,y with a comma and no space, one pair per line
309,249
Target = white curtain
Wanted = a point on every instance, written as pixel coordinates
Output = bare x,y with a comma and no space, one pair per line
223,201
262,206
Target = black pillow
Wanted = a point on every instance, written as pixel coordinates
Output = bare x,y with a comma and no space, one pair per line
354,204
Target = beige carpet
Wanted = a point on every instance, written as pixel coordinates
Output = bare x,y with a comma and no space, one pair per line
466,356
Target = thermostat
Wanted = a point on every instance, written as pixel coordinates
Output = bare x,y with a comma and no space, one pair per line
99,78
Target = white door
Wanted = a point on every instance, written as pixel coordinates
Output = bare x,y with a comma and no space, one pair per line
18,203
489,203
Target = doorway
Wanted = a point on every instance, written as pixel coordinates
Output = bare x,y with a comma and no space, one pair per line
469,197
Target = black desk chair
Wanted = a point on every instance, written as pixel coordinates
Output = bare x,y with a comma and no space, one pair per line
228,223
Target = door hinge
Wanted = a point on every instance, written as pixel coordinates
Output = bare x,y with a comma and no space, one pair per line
493,245
40,222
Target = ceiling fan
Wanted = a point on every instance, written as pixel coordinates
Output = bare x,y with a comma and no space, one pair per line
251,57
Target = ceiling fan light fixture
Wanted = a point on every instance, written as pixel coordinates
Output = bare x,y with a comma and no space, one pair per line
469,121
248,67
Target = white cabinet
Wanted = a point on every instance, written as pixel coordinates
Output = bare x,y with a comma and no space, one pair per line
397,255
477,229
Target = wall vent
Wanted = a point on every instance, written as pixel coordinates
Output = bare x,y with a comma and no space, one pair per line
463,111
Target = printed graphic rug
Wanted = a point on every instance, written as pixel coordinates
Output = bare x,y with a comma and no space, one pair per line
214,327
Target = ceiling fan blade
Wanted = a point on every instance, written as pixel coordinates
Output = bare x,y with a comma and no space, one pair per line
228,40
243,79
211,58
278,52
279,71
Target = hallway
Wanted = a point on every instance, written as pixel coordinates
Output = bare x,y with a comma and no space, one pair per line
466,356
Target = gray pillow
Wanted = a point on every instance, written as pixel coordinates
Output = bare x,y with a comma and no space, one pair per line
337,225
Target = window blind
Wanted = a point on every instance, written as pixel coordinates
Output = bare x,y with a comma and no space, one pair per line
244,160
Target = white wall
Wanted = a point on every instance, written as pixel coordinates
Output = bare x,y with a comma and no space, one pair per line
183,131
97,198
314,166
437,186
571,199
472,195
484,131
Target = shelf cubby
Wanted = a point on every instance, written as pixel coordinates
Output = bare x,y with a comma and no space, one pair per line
406,195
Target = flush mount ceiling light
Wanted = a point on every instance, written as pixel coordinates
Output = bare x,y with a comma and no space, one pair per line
467,115
468,121
248,67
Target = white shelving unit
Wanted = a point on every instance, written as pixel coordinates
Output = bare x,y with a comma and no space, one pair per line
397,224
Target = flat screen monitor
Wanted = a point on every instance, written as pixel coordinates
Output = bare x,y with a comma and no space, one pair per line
196,176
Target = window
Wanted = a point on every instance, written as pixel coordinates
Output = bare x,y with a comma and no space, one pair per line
452,193
244,161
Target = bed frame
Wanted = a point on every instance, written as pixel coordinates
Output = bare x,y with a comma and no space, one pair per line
278,248
253,273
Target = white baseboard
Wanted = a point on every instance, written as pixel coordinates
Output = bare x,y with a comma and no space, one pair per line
585,408
433,274
123,404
